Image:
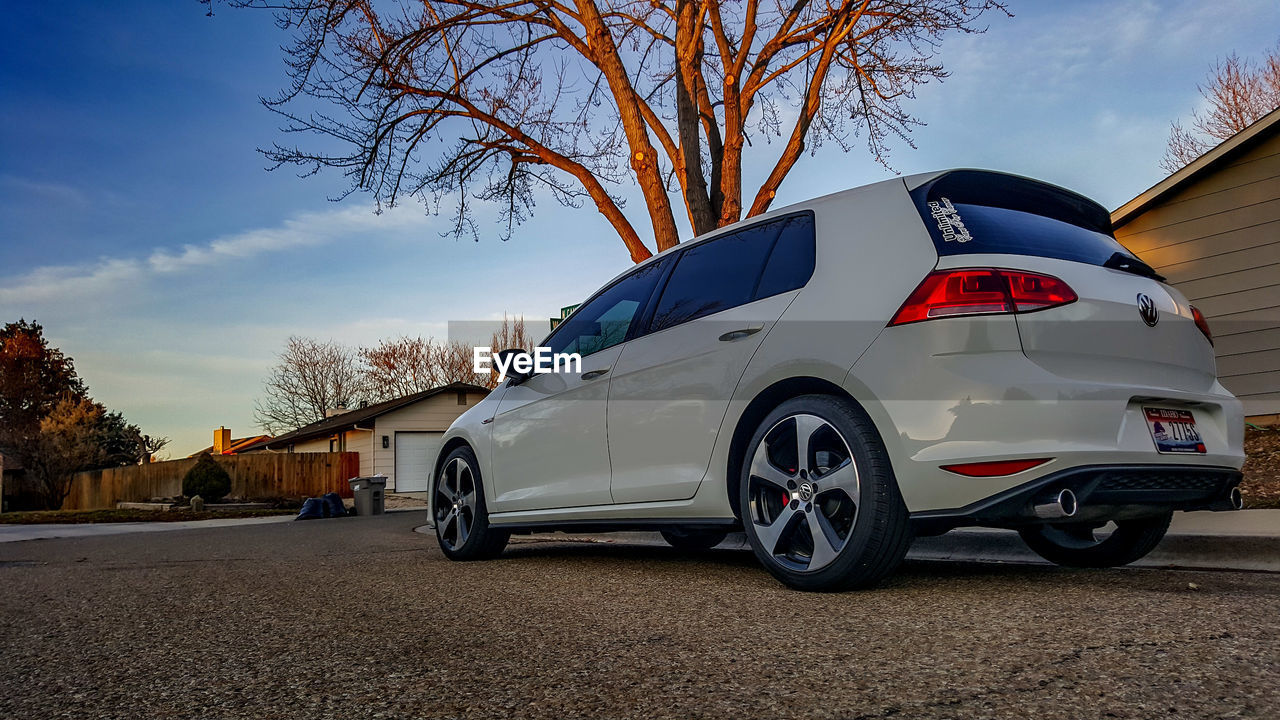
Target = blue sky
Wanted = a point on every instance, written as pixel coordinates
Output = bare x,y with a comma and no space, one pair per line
138,224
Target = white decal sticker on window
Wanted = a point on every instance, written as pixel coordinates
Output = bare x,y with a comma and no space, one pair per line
949,221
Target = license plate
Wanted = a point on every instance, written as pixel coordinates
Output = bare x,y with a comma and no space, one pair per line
1174,431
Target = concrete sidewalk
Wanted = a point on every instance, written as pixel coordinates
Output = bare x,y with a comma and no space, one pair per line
1243,540
16,533
1252,523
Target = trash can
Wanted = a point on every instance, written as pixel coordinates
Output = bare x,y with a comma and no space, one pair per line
369,492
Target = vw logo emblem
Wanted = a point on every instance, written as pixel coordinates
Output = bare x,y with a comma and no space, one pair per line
1147,309
806,492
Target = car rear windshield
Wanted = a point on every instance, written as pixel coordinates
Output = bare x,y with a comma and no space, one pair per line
969,212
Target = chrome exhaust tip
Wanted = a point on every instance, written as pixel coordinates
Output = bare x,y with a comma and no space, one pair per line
1061,505
1233,501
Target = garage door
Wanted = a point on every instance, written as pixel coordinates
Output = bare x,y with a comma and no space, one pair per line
415,459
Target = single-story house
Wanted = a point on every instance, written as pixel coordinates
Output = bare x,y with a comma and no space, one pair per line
398,438
224,444
1213,230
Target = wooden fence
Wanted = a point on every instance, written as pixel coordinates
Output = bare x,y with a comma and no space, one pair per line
261,475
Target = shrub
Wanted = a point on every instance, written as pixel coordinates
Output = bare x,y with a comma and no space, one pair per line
207,479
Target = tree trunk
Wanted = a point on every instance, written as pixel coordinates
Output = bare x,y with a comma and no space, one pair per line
644,159
688,71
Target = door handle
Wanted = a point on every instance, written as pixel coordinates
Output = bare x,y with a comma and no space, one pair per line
739,334
593,374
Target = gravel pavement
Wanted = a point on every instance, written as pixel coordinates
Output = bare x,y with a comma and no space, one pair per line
362,617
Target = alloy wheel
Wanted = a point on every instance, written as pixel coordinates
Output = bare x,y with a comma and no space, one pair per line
803,492
455,503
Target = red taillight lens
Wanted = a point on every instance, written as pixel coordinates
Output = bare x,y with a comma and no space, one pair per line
994,469
1036,292
1201,323
947,293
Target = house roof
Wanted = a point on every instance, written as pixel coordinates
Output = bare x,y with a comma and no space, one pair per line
360,418
1260,130
236,445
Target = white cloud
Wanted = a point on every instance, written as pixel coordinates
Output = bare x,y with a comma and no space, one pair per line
108,274
304,230
49,192
58,282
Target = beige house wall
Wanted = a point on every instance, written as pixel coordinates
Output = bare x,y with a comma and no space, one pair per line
359,441
435,414
1218,241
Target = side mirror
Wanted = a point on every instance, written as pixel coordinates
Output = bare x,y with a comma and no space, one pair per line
508,359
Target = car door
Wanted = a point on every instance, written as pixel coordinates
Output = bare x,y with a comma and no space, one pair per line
672,384
549,445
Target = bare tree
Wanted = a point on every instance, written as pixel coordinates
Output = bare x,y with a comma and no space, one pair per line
69,440
310,378
405,365
457,364
511,335
401,366
490,101
150,446
1239,92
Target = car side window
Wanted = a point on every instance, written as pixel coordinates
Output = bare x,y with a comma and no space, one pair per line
792,261
735,269
605,320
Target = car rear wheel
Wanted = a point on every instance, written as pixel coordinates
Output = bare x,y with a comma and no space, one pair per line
1091,546
690,540
820,504
462,522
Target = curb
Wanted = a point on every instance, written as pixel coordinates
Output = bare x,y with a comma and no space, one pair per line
1200,552
1197,551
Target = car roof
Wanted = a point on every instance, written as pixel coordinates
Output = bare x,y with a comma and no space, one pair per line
907,182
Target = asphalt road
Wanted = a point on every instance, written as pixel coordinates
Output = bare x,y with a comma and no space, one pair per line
365,618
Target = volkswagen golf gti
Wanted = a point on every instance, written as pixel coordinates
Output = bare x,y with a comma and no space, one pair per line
834,378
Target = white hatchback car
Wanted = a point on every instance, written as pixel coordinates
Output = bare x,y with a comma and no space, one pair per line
951,349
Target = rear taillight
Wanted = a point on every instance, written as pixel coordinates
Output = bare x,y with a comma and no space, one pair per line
948,293
1201,323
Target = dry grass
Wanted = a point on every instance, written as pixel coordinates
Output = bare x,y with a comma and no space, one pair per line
1261,485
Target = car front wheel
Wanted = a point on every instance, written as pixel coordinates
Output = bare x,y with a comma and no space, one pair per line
462,522
820,504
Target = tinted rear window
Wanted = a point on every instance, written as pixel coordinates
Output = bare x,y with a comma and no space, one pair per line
791,263
969,212
735,269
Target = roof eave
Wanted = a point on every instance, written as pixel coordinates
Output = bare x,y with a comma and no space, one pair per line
1224,150
367,422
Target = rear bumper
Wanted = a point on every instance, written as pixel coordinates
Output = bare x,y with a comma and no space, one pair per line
1103,492
961,390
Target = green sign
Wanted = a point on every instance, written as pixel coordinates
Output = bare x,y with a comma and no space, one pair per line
564,313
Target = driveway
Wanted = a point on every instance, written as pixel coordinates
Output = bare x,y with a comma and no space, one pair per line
364,618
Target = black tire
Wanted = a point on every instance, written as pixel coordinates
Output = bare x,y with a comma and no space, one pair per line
1071,546
693,540
876,526
460,512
